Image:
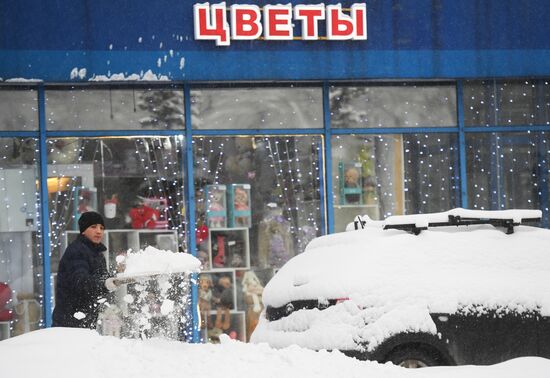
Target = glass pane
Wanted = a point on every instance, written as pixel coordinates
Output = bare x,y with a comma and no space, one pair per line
21,265
114,109
507,170
545,113
135,183
405,105
257,108
387,175
258,205
479,103
518,102
18,109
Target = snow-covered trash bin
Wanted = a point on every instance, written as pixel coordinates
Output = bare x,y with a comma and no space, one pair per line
153,295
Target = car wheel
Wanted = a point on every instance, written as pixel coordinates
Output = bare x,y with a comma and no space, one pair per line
413,358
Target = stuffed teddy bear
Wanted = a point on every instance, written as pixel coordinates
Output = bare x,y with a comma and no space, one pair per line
224,303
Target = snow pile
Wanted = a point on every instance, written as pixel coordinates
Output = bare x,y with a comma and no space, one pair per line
65,352
394,279
155,261
143,76
422,220
22,80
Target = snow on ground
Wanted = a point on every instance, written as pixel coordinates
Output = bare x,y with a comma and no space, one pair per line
70,353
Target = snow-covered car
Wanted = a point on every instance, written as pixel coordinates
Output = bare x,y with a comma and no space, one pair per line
458,287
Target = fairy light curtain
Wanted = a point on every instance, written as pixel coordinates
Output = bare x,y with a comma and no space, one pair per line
284,170
88,173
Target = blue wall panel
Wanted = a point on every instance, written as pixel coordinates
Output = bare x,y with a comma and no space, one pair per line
407,39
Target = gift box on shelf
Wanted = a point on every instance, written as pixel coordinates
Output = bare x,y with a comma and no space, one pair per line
350,184
216,206
240,214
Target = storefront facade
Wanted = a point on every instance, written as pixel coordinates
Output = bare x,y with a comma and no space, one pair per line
262,143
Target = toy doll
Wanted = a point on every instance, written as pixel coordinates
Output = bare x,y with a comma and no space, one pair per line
218,261
351,180
205,298
215,205
240,203
275,246
253,290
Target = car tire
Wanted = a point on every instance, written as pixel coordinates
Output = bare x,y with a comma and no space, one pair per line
413,358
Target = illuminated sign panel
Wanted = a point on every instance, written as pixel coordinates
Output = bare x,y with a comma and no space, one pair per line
276,22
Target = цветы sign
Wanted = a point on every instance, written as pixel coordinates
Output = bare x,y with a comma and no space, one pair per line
277,22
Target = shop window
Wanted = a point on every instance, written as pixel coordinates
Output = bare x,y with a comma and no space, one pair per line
508,170
136,183
84,108
388,175
502,103
403,105
21,264
257,108
18,109
258,205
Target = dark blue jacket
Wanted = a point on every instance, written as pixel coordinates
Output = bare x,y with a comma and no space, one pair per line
80,284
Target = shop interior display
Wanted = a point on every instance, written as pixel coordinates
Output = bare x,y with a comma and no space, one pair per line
255,208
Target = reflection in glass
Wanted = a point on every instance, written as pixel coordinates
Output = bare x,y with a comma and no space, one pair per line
507,170
258,205
394,174
511,102
114,109
135,183
257,108
18,109
21,264
405,105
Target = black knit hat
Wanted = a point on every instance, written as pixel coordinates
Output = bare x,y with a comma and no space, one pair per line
89,219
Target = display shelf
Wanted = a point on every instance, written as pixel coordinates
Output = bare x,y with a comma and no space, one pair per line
216,286
236,329
228,248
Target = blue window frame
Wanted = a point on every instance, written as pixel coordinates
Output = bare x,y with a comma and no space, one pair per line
494,136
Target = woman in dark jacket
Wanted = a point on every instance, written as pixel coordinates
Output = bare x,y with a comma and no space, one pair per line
82,277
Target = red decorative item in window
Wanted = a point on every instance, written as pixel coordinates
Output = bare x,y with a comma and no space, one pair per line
5,297
144,217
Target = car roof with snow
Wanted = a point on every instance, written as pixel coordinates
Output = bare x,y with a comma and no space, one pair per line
445,267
